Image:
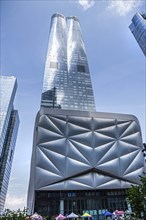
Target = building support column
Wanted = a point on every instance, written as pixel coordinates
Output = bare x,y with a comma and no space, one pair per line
62,207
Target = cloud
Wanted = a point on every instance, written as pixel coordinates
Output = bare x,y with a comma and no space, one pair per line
86,3
15,202
123,7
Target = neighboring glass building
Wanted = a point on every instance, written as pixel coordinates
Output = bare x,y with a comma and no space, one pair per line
82,160
138,28
67,82
9,122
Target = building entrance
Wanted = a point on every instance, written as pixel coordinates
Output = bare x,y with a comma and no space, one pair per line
95,202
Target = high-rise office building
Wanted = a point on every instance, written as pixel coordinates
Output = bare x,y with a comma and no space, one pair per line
138,29
9,122
67,83
82,160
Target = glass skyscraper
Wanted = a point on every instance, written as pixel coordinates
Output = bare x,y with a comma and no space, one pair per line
67,83
138,29
9,122
82,160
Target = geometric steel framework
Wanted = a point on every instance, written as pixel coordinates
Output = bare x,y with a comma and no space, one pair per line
75,150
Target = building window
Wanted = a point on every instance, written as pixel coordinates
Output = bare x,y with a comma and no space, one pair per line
71,194
80,68
54,65
11,154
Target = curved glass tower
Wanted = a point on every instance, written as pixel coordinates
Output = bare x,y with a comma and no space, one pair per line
67,82
138,29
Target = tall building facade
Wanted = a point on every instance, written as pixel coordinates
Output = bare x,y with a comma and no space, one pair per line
67,83
82,160
9,122
138,29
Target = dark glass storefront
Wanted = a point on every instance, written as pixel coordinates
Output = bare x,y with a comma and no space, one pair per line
51,203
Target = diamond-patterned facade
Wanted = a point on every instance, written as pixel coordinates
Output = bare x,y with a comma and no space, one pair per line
80,150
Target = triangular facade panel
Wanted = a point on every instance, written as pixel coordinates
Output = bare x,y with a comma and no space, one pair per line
73,152
102,123
122,126
101,139
125,149
105,153
131,129
47,163
46,123
47,177
135,164
132,138
109,131
55,186
58,160
85,122
74,130
59,123
57,146
45,135
111,167
86,151
83,138
74,167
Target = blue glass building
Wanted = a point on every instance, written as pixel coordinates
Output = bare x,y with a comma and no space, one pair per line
138,29
9,122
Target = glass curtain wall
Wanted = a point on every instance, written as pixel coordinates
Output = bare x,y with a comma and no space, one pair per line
67,82
94,202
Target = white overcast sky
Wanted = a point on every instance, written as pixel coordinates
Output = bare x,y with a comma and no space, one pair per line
116,62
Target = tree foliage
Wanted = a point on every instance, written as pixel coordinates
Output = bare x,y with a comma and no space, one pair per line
137,197
14,215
